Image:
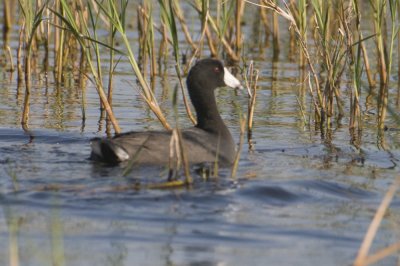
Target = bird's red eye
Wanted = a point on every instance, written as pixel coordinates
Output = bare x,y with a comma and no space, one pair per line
217,69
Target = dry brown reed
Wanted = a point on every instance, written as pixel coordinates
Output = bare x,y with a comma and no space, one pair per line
178,157
239,150
20,72
8,10
339,46
251,79
210,21
363,258
180,15
240,4
275,32
314,88
68,31
334,28
9,13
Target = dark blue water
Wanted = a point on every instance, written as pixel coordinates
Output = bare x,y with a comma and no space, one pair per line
297,204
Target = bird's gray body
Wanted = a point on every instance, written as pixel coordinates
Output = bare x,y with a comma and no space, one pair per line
199,146
208,142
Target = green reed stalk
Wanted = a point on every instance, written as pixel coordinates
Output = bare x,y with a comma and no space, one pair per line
336,50
27,12
152,51
322,10
203,11
82,84
321,13
163,48
385,59
169,17
203,8
25,113
361,39
355,112
251,79
141,22
360,42
398,60
7,11
379,17
60,51
179,147
159,28
382,97
147,43
57,29
228,48
240,4
371,80
32,20
230,9
69,20
20,72
378,7
239,150
319,105
94,18
111,67
10,59
118,20
208,34
384,90
265,22
275,33
147,29
143,25
46,32
179,14
302,22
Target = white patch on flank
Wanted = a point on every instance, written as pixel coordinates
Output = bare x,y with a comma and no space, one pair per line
121,154
96,148
230,80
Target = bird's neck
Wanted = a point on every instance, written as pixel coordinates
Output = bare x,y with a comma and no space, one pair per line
208,118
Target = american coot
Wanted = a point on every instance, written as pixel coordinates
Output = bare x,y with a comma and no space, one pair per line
209,141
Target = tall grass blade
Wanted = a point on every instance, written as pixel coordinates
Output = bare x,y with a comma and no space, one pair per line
118,22
71,25
168,13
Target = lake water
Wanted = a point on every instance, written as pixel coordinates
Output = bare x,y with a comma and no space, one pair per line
300,197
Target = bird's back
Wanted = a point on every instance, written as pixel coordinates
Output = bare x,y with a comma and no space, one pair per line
157,147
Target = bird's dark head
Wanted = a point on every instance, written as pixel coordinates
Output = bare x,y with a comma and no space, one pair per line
208,74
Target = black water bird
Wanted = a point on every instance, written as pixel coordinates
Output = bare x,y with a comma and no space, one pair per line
208,141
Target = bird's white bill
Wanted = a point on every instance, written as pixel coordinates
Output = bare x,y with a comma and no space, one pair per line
230,80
